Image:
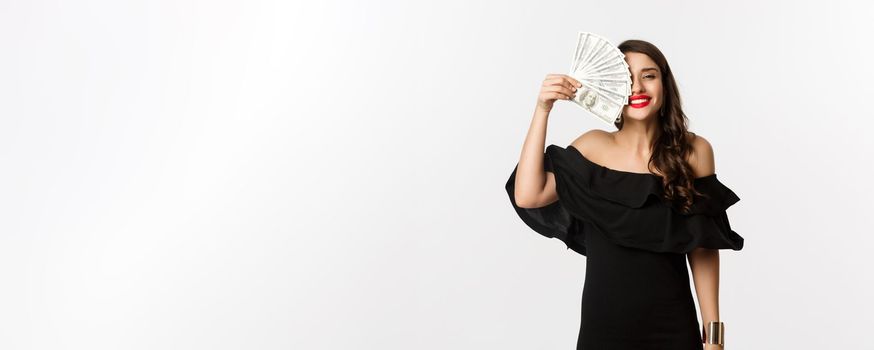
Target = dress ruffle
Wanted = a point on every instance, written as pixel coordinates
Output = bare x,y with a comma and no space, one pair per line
627,208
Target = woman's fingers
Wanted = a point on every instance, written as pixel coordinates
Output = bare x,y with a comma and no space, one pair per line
563,78
563,92
560,82
556,87
552,96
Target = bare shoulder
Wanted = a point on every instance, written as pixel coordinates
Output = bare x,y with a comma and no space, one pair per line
701,159
592,142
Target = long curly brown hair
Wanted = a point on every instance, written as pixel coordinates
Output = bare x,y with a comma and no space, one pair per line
672,145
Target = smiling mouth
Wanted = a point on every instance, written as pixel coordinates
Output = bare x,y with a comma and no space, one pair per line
639,102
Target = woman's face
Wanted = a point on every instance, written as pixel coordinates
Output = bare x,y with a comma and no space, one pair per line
646,87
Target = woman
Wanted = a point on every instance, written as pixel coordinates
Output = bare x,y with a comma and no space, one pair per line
637,202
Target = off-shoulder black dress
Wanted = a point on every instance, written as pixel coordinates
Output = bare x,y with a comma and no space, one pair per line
636,292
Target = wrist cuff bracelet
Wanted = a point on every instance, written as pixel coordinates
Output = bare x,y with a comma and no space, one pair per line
713,333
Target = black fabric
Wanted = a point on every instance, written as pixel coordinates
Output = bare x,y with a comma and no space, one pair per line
637,293
627,208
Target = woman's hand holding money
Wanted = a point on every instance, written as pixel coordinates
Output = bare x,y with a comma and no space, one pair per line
556,87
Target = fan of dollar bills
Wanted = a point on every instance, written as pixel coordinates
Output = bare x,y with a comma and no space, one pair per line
605,76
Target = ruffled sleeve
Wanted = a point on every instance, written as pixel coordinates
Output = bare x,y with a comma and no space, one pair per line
627,208
552,220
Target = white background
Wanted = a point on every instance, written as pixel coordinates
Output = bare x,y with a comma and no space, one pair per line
327,175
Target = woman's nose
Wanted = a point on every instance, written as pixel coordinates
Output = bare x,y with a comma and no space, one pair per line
636,86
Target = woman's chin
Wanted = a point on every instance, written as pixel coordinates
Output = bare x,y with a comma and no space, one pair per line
637,114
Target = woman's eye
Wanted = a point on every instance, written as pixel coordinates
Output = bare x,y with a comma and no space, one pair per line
649,76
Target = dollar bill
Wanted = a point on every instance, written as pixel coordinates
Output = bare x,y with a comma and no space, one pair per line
617,86
578,52
612,69
606,60
605,76
597,47
591,65
612,95
597,104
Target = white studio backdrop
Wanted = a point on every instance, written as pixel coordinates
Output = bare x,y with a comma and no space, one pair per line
329,175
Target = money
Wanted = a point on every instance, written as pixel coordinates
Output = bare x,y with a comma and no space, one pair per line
605,76
597,103
612,95
616,86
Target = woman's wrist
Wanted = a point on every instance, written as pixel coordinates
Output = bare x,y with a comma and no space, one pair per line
713,333
542,109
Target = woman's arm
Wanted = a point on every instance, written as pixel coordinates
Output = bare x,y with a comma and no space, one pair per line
535,187
704,262
705,271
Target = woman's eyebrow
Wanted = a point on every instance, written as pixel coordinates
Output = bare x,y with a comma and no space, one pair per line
650,68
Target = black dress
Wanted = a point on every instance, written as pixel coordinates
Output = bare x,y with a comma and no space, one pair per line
636,293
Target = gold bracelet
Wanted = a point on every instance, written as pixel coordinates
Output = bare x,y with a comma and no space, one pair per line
713,333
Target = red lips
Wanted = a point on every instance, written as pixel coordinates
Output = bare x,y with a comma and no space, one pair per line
639,105
637,97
